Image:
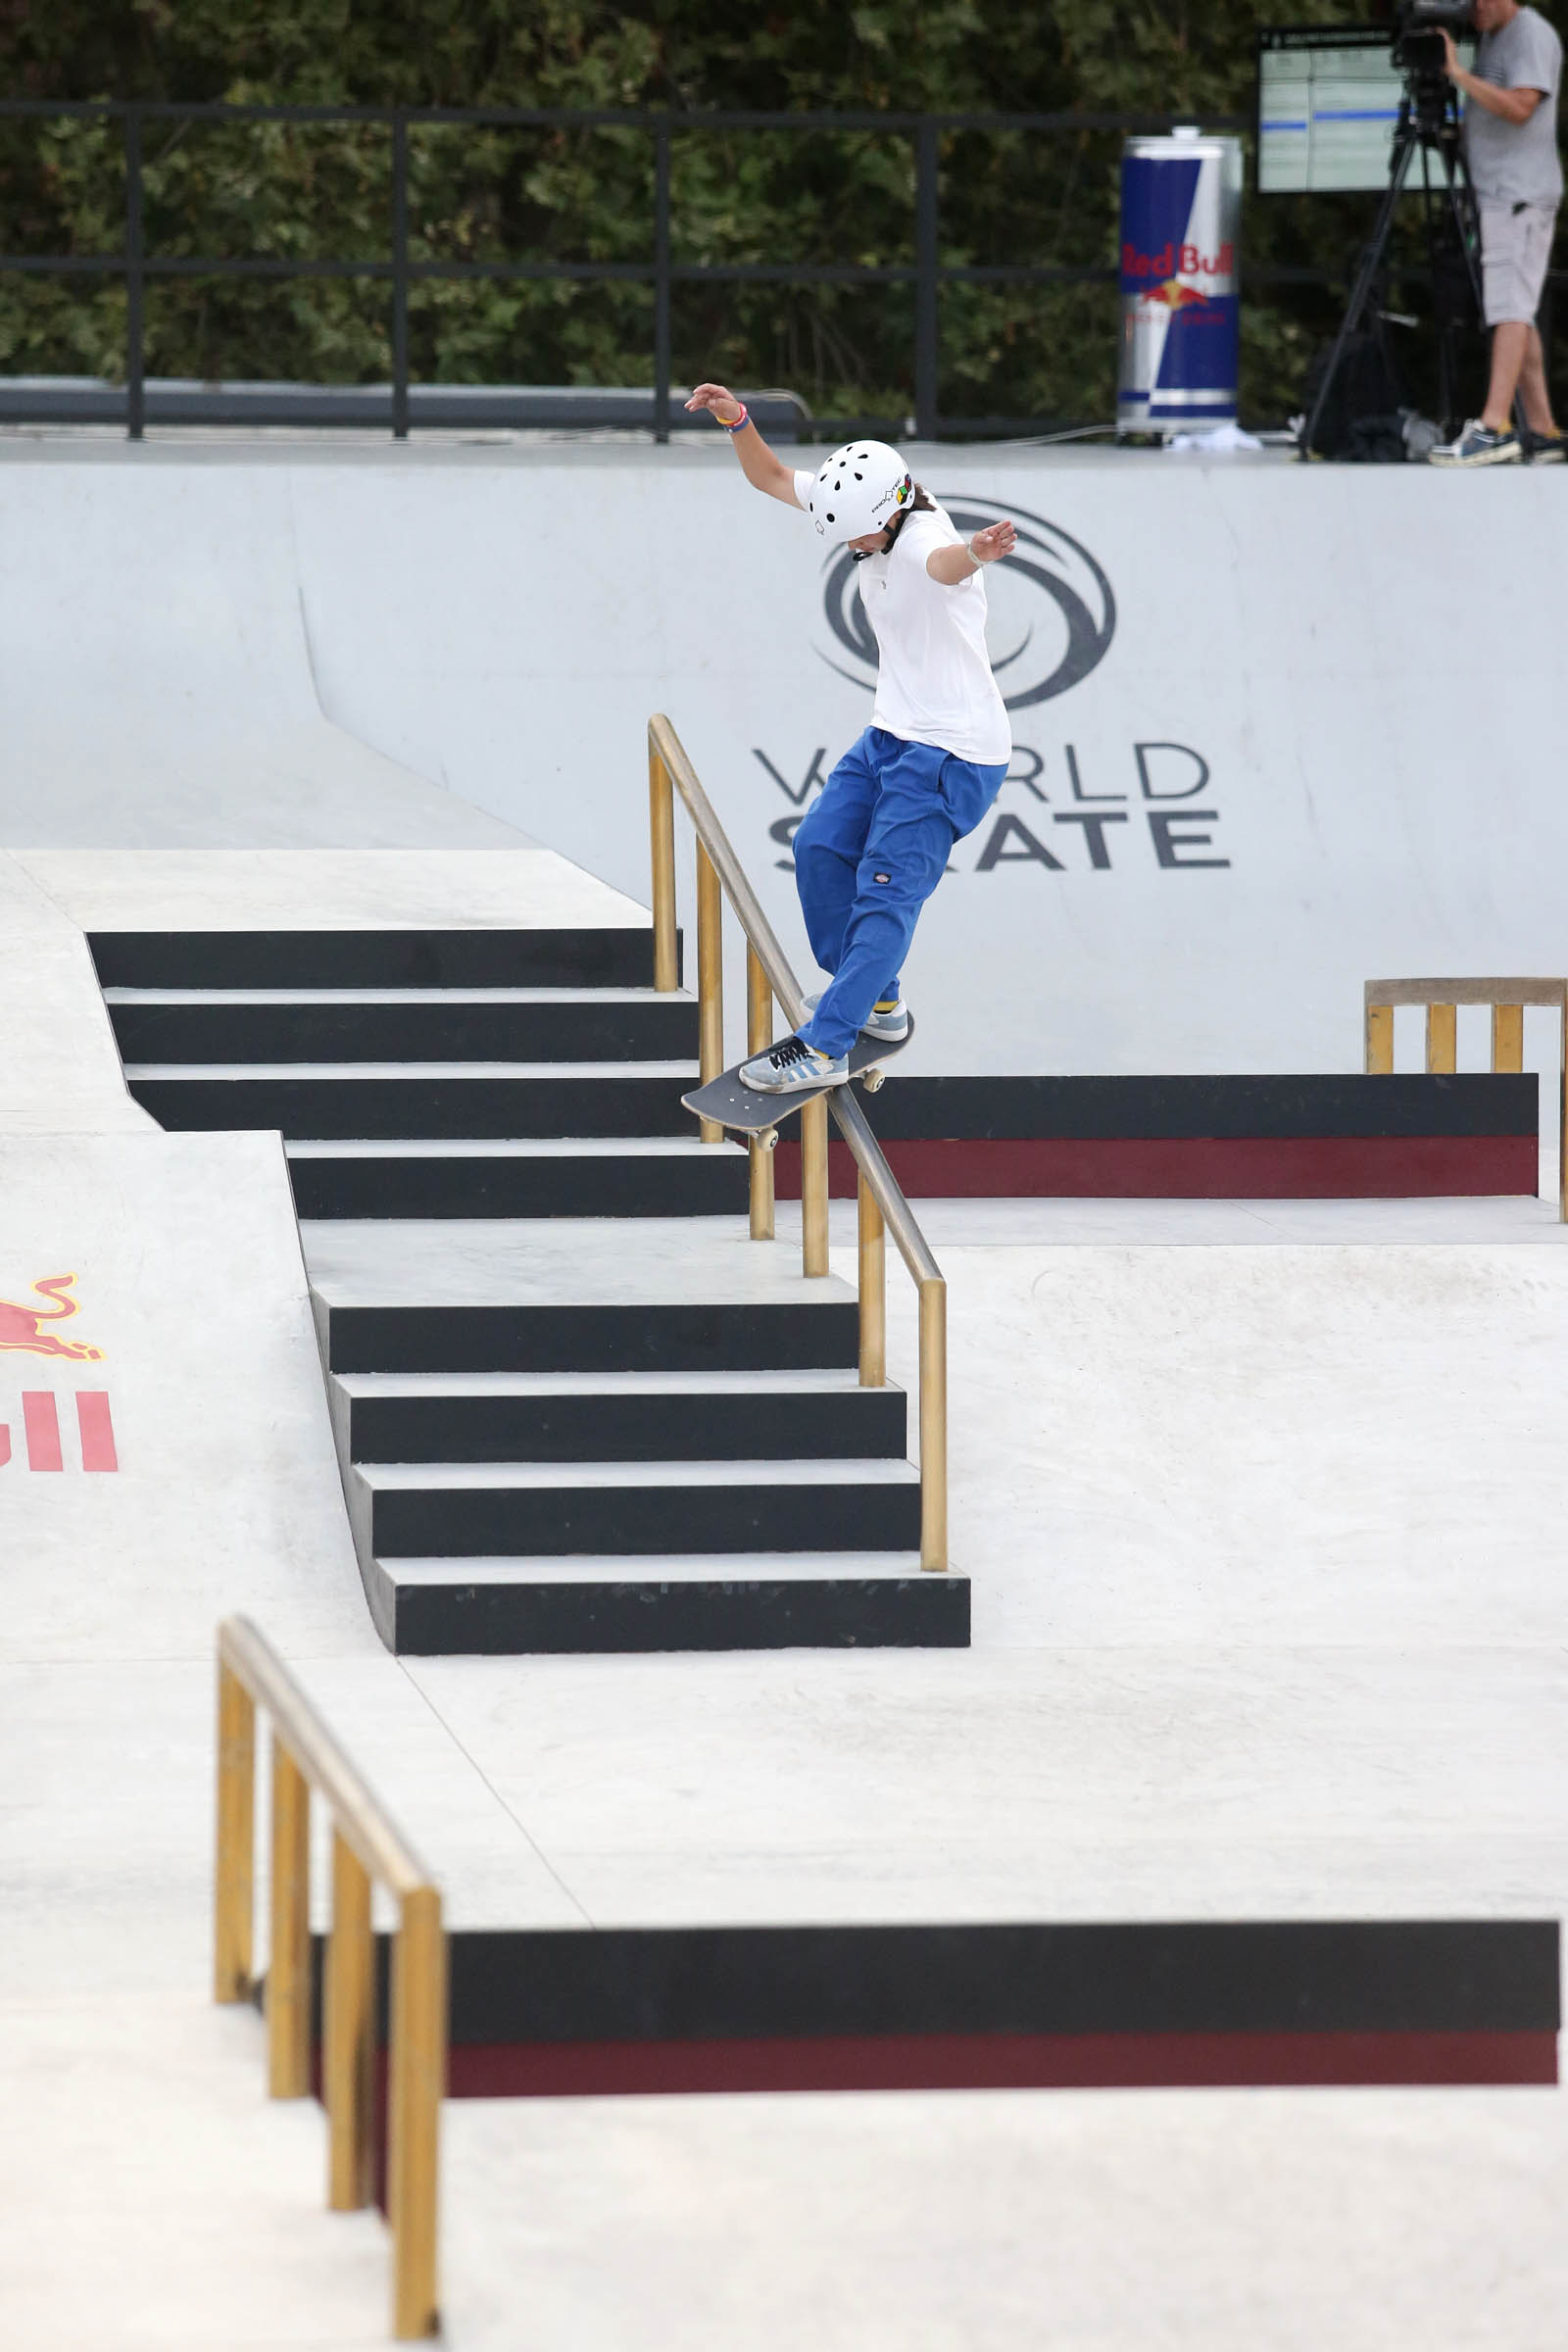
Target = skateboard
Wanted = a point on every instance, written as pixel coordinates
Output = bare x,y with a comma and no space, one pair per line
747,1111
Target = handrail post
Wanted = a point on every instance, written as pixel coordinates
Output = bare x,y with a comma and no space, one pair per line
1443,1035
814,1186
288,1963
417,2073
874,1290
135,282
662,284
400,276
710,982
348,2035
927,165
759,1037
934,1424
1509,1037
1380,1040
661,866
234,1875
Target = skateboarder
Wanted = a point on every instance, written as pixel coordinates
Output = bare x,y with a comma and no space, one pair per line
875,843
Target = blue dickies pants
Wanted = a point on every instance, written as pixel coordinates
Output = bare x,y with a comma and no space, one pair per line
869,854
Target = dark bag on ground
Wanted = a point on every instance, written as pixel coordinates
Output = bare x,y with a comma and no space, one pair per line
1361,418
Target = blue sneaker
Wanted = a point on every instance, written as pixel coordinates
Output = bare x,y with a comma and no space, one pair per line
1478,445
890,1021
793,1068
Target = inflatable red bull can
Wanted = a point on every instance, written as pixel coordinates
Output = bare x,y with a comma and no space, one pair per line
1181,217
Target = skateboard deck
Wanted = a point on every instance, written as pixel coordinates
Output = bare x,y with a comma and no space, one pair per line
747,1111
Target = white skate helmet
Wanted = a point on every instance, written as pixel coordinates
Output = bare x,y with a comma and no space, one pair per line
862,488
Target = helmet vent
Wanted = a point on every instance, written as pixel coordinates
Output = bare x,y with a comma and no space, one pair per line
830,519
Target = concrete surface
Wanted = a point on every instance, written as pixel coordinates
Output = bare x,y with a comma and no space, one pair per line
1083,2222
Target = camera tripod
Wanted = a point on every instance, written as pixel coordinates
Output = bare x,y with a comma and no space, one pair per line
1428,126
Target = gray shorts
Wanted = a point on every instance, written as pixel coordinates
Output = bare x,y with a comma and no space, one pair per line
1515,250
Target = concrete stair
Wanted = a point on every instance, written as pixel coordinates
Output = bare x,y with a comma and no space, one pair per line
576,1408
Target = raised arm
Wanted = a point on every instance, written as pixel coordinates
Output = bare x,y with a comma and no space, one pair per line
950,566
760,468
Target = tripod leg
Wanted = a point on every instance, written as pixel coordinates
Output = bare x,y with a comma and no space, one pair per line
1404,147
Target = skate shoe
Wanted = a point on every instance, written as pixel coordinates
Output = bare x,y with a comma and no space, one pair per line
793,1068
890,1021
1478,445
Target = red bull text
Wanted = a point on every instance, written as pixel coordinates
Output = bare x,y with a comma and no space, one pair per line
1181,203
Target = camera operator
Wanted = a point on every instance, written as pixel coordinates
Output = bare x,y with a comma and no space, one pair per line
1510,137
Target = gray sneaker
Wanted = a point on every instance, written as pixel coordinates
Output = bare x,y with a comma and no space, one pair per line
888,1021
793,1068
1478,445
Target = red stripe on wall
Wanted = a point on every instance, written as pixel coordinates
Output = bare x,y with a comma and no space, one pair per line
97,1430
42,1425
994,2062
5,1444
1333,1167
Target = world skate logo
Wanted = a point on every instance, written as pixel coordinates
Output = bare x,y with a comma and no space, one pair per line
1053,613
27,1327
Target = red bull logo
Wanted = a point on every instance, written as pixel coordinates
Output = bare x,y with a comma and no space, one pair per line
1175,296
1173,261
24,1327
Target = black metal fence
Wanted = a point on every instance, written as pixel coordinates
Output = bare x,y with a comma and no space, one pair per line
926,274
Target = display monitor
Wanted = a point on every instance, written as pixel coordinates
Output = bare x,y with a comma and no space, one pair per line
1328,98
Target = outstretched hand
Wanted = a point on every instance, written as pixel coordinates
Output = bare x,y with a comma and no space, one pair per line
713,397
997,540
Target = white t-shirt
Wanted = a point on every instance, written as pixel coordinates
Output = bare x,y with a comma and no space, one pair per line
933,680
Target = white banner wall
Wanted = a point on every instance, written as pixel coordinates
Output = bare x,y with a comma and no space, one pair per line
1279,727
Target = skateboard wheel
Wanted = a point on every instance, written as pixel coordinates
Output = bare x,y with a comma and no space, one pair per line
768,1137
872,1080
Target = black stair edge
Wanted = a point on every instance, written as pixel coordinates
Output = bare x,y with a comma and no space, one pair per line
654,1029
375,958
742,1425
755,1335
564,1986
1005,1109
644,1614
590,1184
643,1521
408,1109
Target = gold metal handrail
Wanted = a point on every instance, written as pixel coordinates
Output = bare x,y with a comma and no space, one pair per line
366,1845
883,1207
1440,999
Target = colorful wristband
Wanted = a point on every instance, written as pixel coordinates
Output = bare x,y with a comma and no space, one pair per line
735,423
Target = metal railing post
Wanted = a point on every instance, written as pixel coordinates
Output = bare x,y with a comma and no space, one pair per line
135,284
417,2066
400,276
814,1186
1380,1040
758,1036
874,1290
1442,1037
934,1424
710,982
927,165
234,1872
662,284
289,1960
1507,1037
348,2034
662,863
